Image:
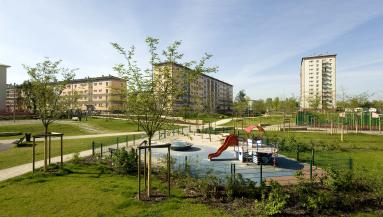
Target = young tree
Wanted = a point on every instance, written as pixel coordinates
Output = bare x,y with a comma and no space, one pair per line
315,102
276,104
259,106
241,103
269,104
45,91
152,92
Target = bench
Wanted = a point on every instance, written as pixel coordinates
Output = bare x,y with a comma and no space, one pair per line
19,141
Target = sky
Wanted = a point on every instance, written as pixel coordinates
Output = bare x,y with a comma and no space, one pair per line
257,45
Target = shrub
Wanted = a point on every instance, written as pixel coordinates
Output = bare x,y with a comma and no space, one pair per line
125,162
211,187
237,186
275,201
76,158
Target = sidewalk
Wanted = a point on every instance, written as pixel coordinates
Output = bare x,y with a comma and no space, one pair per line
26,168
81,136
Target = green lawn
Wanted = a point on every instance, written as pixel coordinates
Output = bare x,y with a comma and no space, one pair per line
21,155
365,150
90,191
206,118
117,125
67,129
113,124
270,120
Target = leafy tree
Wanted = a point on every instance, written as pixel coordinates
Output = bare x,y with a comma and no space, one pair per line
378,104
29,100
241,96
276,104
269,104
152,92
45,93
259,106
315,102
241,103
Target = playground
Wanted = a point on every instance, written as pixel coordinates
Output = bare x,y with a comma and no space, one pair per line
226,154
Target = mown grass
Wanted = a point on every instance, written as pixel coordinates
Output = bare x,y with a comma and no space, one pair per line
365,150
21,155
264,120
67,129
90,191
117,125
113,124
207,118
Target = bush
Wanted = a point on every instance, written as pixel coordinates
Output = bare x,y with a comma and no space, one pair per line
125,162
275,201
237,186
211,187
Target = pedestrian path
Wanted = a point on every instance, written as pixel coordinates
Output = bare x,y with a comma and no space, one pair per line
26,168
80,136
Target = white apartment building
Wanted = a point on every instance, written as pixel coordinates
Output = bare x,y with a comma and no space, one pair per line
3,86
318,82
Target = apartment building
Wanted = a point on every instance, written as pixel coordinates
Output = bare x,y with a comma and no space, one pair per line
14,98
204,93
105,93
318,82
3,86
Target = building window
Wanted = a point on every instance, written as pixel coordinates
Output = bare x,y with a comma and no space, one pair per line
106,83
99,90
95,84
100,83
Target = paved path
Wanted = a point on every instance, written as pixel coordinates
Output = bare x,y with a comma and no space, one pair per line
26,168
79,137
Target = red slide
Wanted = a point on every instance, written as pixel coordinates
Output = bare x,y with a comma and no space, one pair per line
230,140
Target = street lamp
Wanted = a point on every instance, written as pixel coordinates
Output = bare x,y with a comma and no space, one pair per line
14,102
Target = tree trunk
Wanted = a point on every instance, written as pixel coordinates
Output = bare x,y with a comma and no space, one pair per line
45,148
149,166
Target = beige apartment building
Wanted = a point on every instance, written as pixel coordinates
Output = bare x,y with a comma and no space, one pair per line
14,98
204,93
105,93
3,86
318,82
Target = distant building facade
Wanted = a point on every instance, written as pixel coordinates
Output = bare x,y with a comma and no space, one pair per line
3,86
105,93
204,93
318,82
14,98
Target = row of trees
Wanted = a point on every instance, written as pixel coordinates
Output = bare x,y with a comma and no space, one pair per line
361,100
244,106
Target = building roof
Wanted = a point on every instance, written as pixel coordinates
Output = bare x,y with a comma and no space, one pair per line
182,66
4,65
318,56
95,79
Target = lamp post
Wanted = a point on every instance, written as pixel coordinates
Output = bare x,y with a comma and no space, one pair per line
14,102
